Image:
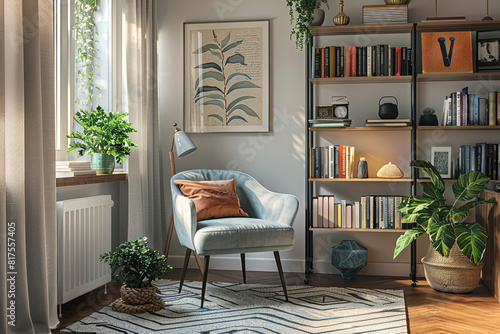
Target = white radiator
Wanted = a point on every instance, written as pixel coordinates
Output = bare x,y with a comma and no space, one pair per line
83,233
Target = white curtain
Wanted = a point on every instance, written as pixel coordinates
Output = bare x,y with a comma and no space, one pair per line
27,168
146,189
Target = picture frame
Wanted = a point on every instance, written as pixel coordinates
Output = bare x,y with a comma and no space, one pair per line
441,160
488,54
226,77
447,51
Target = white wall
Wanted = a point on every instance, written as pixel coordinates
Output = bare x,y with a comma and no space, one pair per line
276,158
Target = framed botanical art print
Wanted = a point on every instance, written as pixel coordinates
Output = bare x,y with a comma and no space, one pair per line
441,159
226,76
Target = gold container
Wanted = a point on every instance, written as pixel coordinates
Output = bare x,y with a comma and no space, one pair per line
341,19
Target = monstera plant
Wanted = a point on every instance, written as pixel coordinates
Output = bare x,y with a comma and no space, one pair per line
445,224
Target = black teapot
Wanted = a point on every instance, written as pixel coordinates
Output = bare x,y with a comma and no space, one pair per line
388,110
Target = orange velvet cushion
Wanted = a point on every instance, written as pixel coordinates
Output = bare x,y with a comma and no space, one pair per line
213,199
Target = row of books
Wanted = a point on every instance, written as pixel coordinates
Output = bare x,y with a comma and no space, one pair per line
73,168
482,158
330,123
332,162
371,212
462,109
361,61
387,122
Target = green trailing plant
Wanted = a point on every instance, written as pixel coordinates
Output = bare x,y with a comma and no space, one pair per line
301,17
445,224
85,52
106,133
135,264
428,111
218,80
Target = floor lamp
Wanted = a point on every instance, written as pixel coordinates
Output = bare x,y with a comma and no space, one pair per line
183,145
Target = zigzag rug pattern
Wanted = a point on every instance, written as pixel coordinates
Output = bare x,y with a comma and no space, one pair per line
251,308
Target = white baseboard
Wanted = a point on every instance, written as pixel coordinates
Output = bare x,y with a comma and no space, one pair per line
229,262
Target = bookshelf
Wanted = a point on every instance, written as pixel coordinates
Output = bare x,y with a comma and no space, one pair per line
417,91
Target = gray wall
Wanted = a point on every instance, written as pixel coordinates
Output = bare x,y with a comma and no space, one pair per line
276,158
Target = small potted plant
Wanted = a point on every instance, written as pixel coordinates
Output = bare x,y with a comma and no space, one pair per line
428,117
452,262
136,265
307,16
105,136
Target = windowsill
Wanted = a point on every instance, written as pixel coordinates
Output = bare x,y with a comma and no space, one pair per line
91,179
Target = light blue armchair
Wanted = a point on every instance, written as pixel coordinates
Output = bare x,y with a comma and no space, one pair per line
268,227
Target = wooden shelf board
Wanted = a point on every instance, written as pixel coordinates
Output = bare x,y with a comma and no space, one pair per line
391,28
361,80
445,180
382,128
465,128
90,179
356,230
432,26
482,76
371,179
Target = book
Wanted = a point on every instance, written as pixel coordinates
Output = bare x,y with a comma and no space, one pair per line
75,173
492,108
498,108
386,124
363,211
397,120
79,164
333,62
315,212
483,111
343,205
317,63
327,61
331,211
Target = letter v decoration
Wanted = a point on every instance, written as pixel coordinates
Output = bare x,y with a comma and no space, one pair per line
446,55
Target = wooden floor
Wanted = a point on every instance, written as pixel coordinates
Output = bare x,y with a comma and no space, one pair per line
428,311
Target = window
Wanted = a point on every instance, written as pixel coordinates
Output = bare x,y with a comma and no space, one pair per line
86,60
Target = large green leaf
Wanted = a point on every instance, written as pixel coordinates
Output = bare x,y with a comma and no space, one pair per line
237,74
209,74
210,65
226,40
471,240
249,111
232,118
469,185
406,239
217,103
240,85
231,46
236,59
205,48
434,175
431,192
204,89
210,96
217,117
469,205
442,235
239,99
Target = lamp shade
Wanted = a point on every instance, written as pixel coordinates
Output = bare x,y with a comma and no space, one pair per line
183,144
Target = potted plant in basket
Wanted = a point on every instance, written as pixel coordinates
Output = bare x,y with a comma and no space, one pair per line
136,265
452,262
306,17
105,136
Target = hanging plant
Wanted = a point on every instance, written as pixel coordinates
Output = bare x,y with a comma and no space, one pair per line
302,13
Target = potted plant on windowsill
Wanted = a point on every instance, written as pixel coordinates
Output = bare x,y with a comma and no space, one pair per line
452,262
307,15
136,265
105,136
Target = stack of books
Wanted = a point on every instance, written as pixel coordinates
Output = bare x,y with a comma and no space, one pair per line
380,14
330,123
73,168
387,122
463,109
332,162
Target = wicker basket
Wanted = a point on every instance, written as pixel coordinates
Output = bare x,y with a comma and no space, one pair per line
138,296
455,273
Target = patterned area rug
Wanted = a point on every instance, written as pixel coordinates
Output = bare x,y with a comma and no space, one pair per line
250,308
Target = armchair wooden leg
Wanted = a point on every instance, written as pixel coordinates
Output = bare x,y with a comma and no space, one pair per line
184,269
280,270
242,255
204,286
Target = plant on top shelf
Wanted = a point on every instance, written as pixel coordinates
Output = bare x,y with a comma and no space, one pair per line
445,224
135,264
304,10
103,133
428,111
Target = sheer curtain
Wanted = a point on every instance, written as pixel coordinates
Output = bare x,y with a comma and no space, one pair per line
146,188
27,168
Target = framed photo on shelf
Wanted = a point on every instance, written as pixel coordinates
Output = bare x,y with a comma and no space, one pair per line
226,76
441,159
447,52
488,55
